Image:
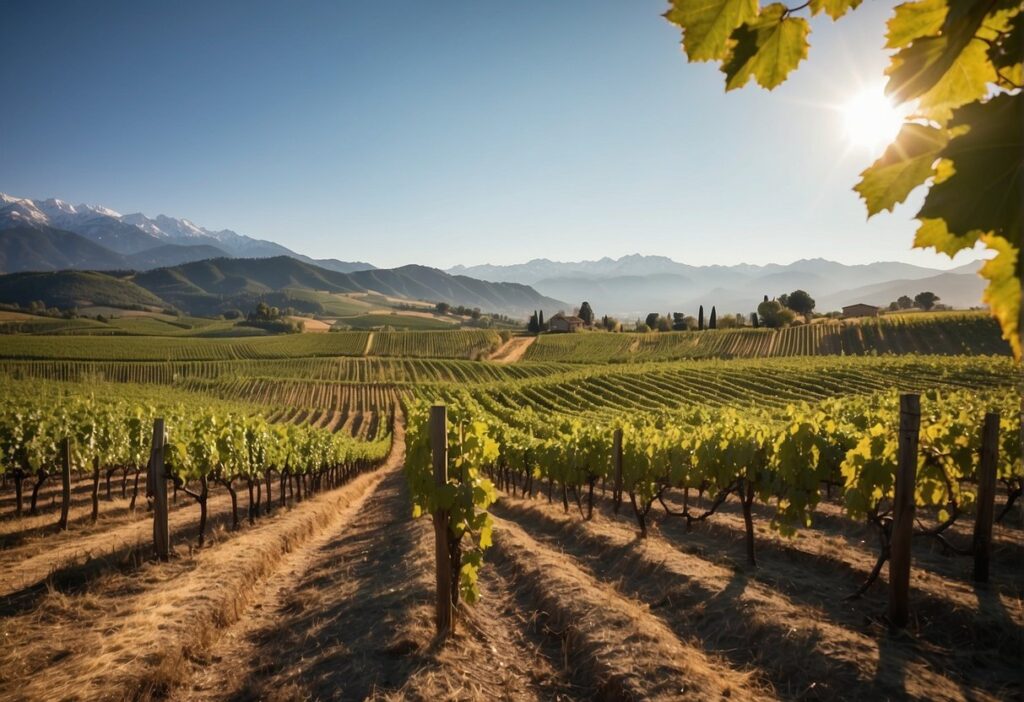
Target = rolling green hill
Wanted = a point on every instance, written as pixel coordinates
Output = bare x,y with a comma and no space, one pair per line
206,287
211,287
66,289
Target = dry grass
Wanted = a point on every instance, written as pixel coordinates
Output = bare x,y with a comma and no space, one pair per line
615,641
788,623
130,636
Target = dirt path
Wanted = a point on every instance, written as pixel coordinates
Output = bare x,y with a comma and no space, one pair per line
351,617
369,344
237,645
512,350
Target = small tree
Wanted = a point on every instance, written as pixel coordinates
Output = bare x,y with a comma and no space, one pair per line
753,320
904,302
700,319
713,321
678,321
586,314
800,302
442,307
664,324
652,320
533,326
774,315
541,326
926,300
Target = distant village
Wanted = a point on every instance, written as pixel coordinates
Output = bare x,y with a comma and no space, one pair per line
789,309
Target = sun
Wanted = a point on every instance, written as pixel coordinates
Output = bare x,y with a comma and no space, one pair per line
870,120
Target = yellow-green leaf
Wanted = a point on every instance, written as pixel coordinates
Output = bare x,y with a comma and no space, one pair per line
1003,292
708,24
984,192
907,163
834,8
912,20
933,234
767,48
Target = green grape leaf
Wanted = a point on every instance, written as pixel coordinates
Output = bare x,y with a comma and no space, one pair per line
906,164
933,234
1003,294
912,20
767,48
834,8
950,63
984,193
708,24
1008,51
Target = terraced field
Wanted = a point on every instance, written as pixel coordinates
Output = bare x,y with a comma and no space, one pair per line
945,334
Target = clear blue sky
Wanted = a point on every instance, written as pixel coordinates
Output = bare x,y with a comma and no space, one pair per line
441,132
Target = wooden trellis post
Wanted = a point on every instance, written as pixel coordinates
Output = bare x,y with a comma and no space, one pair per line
442,551
986,496
617,457
65,479
157,489
903,511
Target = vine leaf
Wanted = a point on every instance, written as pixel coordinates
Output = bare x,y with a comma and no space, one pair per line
985,191
1003,293
708,24
913,20
834,8
906,164
933,234
766,48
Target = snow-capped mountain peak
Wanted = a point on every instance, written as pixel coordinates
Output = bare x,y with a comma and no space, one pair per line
131,233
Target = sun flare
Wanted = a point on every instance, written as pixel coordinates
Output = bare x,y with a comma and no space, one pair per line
870,120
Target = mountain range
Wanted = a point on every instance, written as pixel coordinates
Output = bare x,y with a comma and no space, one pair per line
51,235
215,286
636,285
132,240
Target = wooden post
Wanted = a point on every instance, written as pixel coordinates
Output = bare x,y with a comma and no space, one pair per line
617,457
439,454
158,486
903,511
65,476
986,496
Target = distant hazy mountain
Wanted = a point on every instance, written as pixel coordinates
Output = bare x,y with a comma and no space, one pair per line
635,285
959,290
134,233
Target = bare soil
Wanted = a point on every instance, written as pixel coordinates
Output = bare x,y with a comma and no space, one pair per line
512,350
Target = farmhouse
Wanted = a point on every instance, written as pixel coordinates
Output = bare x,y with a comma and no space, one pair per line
563,323
859,310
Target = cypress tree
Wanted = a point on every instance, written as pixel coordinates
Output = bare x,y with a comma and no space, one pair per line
713,322
540,322
753,319
700,319
533,326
